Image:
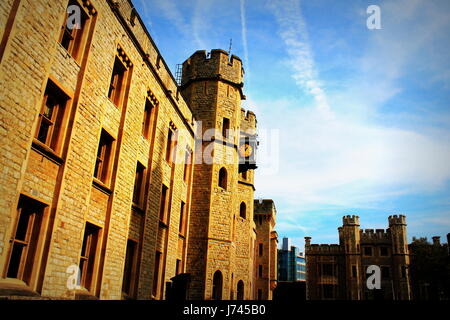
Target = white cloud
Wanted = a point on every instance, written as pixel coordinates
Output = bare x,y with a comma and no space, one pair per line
330,156
343,162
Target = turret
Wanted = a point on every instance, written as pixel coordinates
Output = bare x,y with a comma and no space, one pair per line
400,252
350,239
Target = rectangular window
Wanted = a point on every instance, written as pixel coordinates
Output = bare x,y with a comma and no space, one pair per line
259,294
178,267
328,291
368,251
156,273
51,116
385,272
163,204
170,146
403,272
139,183
117,84
147,122
72,35
225,127
104,157
182,226
25,240
129,273
187,164
383,251
260,249
260,271
354,272
88,255
327,269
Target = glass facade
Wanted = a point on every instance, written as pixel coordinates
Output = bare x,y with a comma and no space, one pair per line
291,263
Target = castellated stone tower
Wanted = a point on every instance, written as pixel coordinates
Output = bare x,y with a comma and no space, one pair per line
400,256
349,238
222,237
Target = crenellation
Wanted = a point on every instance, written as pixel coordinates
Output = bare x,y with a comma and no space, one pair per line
103,185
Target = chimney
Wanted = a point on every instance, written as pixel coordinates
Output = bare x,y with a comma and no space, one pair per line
307,241
436,241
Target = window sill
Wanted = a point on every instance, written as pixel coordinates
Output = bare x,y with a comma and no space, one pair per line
69,55
137,208
163,224
46,151
101,186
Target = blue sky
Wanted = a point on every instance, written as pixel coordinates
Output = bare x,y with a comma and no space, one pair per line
351,120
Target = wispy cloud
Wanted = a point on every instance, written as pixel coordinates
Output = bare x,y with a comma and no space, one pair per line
337,152
294,33
190,29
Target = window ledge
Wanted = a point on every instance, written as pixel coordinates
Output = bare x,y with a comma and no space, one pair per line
46,151
163,224
68,54
137,208
101,186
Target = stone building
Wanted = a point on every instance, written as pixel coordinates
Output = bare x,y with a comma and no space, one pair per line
338,271
222,231
430,269
97,157
266,256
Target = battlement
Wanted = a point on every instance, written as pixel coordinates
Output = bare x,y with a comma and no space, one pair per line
324,249
350,220
248,121
370,234
397,220
215,65
264,206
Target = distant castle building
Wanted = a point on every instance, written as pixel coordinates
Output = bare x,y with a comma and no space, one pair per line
106,189
338,271
266,249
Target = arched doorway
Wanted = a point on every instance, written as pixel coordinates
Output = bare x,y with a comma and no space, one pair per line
240,290
217,286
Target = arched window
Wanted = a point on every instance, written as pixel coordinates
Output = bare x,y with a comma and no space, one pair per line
223,178
243,210
217,286
240,290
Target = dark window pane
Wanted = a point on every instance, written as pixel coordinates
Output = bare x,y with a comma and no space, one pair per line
43,132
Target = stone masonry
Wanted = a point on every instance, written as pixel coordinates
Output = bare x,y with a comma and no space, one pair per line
99,162
339,271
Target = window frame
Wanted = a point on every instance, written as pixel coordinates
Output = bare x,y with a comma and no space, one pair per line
88,261
57,121
148,119
139,185
365,251
104,158
223,178
76,36
163,206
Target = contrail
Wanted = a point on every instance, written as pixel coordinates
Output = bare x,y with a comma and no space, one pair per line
244,39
